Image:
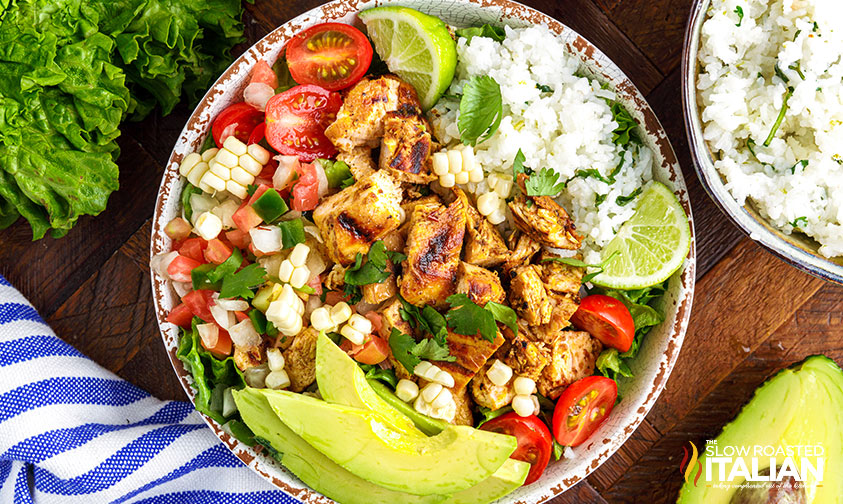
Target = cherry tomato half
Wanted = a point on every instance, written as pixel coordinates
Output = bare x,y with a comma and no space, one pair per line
534,442
239,120
296,120
331,55
607,319
582,407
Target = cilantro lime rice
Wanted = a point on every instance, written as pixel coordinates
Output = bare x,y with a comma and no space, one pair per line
772,108
560,120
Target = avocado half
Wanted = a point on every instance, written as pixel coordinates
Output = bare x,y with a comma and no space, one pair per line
800,406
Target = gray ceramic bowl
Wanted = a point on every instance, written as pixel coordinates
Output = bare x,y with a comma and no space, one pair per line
660,349
797,249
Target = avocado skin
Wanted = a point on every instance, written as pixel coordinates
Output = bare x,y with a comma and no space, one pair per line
326,477
801,405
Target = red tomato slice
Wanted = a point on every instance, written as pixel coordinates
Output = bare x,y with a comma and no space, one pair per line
374,351
257,134
239,120
180,268
263,74
180,316
534,442
607,319
199,302
238,238
223,346
217,251
194,248
296,120
331,55
582,408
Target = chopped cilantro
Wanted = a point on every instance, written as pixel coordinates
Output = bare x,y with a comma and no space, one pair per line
593,173
804,163
795,222
780,118
599,198
518,165
370,272
240,284
468,318
625,132
816,27
544,183
624,200
503,314
426,319
495,33
739,11
410,354
543,88
251,188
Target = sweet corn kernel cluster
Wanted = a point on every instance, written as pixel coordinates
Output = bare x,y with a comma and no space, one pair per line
232,168
277,377
286,311
293,270
328,318
436,401
492,204
457,166
525,403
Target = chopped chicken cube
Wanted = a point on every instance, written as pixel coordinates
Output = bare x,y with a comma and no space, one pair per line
544,220
528,297
406,145
479,284
573,355
523,248
489,395
484,245
525,357
300,360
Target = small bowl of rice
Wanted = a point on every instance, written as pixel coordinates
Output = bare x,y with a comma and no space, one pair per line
763,97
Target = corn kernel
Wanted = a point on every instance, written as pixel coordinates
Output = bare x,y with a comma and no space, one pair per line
285,271
503,188
523,386
444,378
454,161
236,189
430,391
352,334
360,323
447,413
188,163
522,405
220,170
497,217
214,181
294,329
340,312
487,203
234,145
422,406
499,373
258,153
227,158
406,390
209,154
447,180
249,164
300,277
276,380
422,368
475,175
442,399
440,163
288,295
461,178
241,176
208,226
299,255
196,173
468,163
275,359
320,319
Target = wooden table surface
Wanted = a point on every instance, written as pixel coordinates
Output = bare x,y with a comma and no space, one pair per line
753,314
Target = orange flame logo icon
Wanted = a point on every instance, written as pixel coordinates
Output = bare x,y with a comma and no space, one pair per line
686,467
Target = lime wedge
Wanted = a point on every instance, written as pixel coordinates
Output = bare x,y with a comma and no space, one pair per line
651,245
415,46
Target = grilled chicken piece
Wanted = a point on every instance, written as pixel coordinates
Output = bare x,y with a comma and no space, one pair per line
464,415
479,284
244,358
391,315
528,297
471,352
562,283
335,280
489,395
359,161
377,293
354,218
525,357
406,145
410,205
360,120
484,245
300,360
544,220
573,356
433,253
523,249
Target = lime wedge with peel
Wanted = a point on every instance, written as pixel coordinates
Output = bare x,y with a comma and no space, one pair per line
651,245
415,46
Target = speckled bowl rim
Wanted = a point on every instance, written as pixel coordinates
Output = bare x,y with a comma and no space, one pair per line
660,350
796,249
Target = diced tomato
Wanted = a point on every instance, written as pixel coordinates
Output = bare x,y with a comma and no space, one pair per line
241,316
374,351
315,283
199,302
264,74
268,171
217,251
239,239
223,346
376,320
257,134
194,248
180,316
306,189
239,120
178,229
180,268
245,218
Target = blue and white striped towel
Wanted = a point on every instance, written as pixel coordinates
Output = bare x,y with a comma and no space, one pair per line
70,431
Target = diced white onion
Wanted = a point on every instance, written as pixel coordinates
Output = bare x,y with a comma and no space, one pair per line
266,239
257,94
256,375
243,334
287,166
160,262
272,264
223,317
201,203
322,188
275,359
182,288
209,334
233,304
314,232
228,131
313,302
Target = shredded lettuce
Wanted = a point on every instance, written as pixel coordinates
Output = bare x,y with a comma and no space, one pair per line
71,71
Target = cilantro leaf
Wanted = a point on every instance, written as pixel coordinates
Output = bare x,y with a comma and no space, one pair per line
430,349
468,318
543,88
240,284
481,110
495,33
739,11
572,261
228,266
503,314
376,373
427,320
518,165
372,271
544,183
624,200
804,164
594,173
626,130
410,354
795,222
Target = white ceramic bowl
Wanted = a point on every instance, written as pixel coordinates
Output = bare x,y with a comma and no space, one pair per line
653,364
797,249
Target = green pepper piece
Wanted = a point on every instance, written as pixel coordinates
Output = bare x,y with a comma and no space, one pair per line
338,173
258,321
271,330
292,232
270,206
199,276
185,199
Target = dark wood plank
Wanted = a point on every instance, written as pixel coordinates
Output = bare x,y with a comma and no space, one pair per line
657,27
618,464
581,493
715,233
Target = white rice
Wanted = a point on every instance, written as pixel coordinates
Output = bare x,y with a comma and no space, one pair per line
739,104
567,130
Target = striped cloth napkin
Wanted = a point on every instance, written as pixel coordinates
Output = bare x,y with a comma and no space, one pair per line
70,431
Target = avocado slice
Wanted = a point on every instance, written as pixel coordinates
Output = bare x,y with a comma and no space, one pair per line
800,406
426,424
328,478
341,381
455,459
